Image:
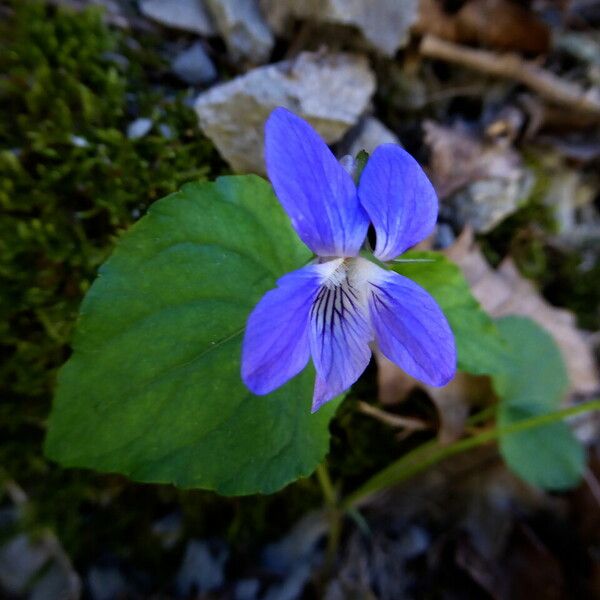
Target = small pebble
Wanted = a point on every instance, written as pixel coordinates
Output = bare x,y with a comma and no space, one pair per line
139,128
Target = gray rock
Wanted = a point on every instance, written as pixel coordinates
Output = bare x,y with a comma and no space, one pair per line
202,569
485,203
20,559
444,236
243,28
412,542
297,546
188,15
169,530
329,90
9,515
480,181
194,66
139,128
385,24
79,141
292,586
246,589
39,567
166,131
106,583
57,583
295,556
369,134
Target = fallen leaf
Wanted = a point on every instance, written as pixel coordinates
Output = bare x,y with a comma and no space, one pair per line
505,291
393,383
453,402
499,24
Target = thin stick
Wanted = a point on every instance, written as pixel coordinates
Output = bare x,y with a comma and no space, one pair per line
391,419
512,66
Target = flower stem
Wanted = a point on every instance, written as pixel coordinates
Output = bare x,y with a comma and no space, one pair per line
326,486
431,452
335,517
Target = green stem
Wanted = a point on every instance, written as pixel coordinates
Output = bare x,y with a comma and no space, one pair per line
483,415
431,453
335,517
326,486
333,539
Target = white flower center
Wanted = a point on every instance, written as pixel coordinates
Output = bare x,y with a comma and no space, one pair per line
351,274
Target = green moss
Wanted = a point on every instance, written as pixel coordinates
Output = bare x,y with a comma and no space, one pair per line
70,182
565,284
524,237
523,234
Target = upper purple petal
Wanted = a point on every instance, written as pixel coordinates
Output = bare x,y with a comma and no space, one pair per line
399,200
410,328
339,339
317,193
276,345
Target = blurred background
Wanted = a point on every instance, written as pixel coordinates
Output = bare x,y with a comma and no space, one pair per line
108,105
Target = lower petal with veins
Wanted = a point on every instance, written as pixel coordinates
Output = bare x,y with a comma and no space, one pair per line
339,334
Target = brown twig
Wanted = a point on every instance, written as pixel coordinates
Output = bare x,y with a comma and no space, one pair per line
512,66
391,419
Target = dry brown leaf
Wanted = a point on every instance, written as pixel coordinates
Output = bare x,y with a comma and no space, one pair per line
453,401
506,292
484,181
499,24
393,383
459,158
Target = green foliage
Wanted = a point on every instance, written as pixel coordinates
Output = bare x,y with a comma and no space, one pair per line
153,389
55,75
63,200
533,382
479,344
361,161
525,365
184,296
70,182
566,283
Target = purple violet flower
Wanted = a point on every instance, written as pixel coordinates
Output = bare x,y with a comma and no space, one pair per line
333,308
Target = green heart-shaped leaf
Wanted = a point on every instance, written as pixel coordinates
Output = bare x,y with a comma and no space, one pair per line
526,367
153,388
533,382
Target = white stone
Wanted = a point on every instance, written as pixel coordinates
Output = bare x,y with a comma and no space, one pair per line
188,15
243,28
370,133
194,66
139,128
385,24
331,91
